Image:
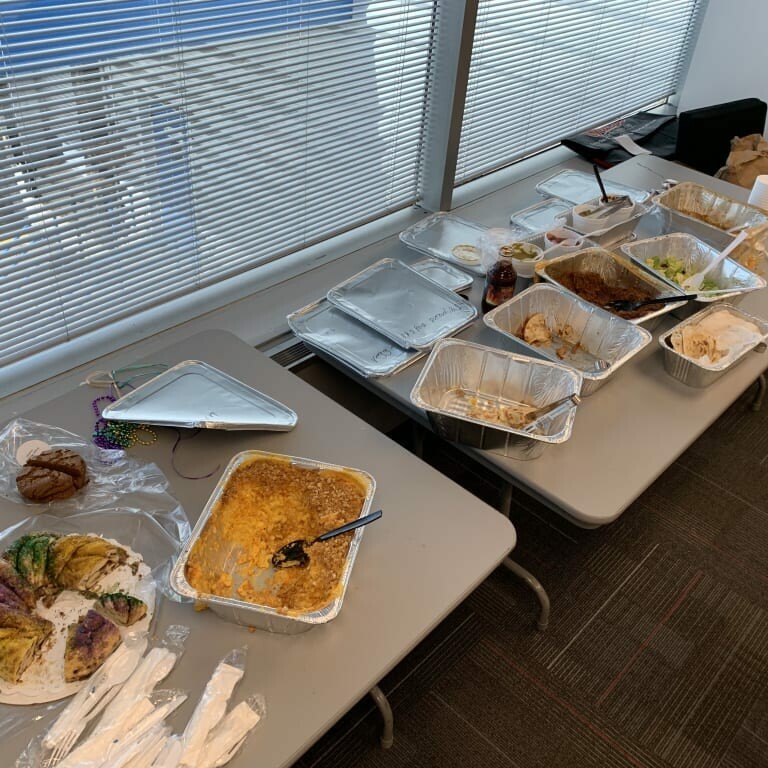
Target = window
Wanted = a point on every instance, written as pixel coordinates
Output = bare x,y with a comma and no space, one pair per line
154,148
542,69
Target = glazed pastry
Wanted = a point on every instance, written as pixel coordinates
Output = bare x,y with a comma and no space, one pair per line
61,460
121,608
51,475
90,642
9,599
39,484
21,638
29,556
79,562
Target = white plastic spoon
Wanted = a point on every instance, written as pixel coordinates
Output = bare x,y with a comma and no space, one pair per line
693,283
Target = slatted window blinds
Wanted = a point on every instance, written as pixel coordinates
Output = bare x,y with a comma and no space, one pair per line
542,69
152,147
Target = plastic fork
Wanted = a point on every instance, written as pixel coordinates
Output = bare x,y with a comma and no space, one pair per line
693,283
548,410
64,746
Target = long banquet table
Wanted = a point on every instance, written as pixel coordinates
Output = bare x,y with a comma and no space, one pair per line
628,432
434,544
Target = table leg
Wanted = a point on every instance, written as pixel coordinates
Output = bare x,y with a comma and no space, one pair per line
417,440
387,737
535,585
505,502
757,402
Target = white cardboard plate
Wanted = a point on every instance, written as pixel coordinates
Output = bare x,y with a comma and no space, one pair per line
44,679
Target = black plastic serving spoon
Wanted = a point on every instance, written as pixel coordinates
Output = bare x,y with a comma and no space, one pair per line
620,201
603,193
628,305
294,554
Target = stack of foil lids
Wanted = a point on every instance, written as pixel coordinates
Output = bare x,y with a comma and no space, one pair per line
194,394
383,318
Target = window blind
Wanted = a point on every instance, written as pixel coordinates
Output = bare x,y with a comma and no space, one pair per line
542,69
149,148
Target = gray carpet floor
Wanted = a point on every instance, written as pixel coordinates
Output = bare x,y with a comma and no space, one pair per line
657,654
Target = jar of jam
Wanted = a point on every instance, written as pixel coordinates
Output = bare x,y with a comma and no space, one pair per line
499,284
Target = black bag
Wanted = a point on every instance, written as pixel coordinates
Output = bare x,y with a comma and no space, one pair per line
656,133
704,135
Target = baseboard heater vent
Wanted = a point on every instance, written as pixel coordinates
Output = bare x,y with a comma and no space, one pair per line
291,354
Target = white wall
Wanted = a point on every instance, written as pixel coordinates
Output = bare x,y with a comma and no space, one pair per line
730,60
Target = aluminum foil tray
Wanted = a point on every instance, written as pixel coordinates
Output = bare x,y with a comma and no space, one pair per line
618,233
550,252
596,334
323,326
444,274
539,217
691,372
251,614
695,255
713,208
196,395
576,187
753,251
402,305
438,235
459,371
615,270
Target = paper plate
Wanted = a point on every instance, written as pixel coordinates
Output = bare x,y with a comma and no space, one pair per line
44,680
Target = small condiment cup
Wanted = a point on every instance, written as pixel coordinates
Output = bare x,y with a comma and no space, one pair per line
586,224
523,266
565,240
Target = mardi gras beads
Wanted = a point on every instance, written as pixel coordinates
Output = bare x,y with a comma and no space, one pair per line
115,435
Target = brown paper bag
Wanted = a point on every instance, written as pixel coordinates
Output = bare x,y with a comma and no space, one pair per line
747,160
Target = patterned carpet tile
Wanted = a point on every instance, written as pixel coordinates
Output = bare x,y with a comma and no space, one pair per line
408,682
531,719
657,653
745,751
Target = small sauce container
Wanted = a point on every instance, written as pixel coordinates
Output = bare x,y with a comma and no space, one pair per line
585,222
500,281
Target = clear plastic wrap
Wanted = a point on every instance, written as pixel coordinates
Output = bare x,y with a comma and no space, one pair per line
156,534
493,239
132,731
120,694
230,734
85,705
170,754
112,475
156,540
152,670
212,705
125,499
119,744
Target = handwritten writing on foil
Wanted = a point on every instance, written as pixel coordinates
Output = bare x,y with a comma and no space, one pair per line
382,354
431,320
